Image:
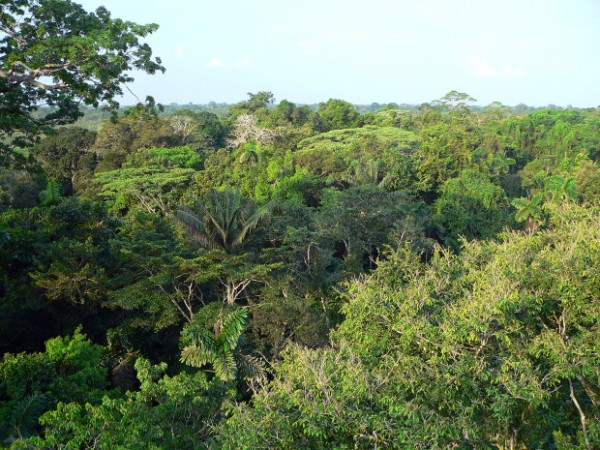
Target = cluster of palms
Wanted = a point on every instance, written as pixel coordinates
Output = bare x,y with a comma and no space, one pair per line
554,189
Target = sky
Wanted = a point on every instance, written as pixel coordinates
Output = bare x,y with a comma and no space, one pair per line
537,52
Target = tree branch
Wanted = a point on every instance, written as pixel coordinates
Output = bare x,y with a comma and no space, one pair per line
581,415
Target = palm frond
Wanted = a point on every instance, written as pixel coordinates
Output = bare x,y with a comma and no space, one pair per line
195,228
232,328
224,366
256,220
195,356
197,335
26,413
213,215
251,368
224,220
536,199
192,222
233,201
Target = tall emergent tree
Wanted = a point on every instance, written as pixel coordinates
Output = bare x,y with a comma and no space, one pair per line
53,53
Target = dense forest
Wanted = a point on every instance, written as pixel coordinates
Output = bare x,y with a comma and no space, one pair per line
271,275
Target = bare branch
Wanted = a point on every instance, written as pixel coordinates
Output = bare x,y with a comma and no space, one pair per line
11,76
582,417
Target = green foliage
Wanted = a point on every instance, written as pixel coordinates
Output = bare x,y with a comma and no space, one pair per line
333,153
586,176
256,103
51,195
444,152
365,173
472,207
56,54
69,370
25,415
19,189
360,221
376,336
66,156
223,220
530,209
147,281
285,314
233,272
455,102
52,270
174,157
210,131
289,113
116,140
472,351
152,178
169,412
216,347
336,114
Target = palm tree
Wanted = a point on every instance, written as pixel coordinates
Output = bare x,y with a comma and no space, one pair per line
499,164
51,195
219,347
530,211
248,154
559,190
224,221
365,173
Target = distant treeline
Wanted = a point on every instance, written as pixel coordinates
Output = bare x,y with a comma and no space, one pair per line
93,117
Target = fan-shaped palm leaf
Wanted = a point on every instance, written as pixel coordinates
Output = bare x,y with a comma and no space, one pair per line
224,220
26,413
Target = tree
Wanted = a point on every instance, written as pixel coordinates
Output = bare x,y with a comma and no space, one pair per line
587,175
455,101
54,53
217,347
167,412
499,164
68,370
225,220
494,348
51,195
360,221
210,131
333,153
116,140
473,207
559,189
336,114
52,270
245,129
255,103
365,173
150,178
287,112
67,157
530,211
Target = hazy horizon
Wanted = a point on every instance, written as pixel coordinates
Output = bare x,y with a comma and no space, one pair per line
533,52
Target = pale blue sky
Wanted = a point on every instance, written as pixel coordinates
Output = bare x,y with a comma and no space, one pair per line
536,52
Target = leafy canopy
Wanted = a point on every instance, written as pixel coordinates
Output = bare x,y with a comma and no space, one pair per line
54,53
